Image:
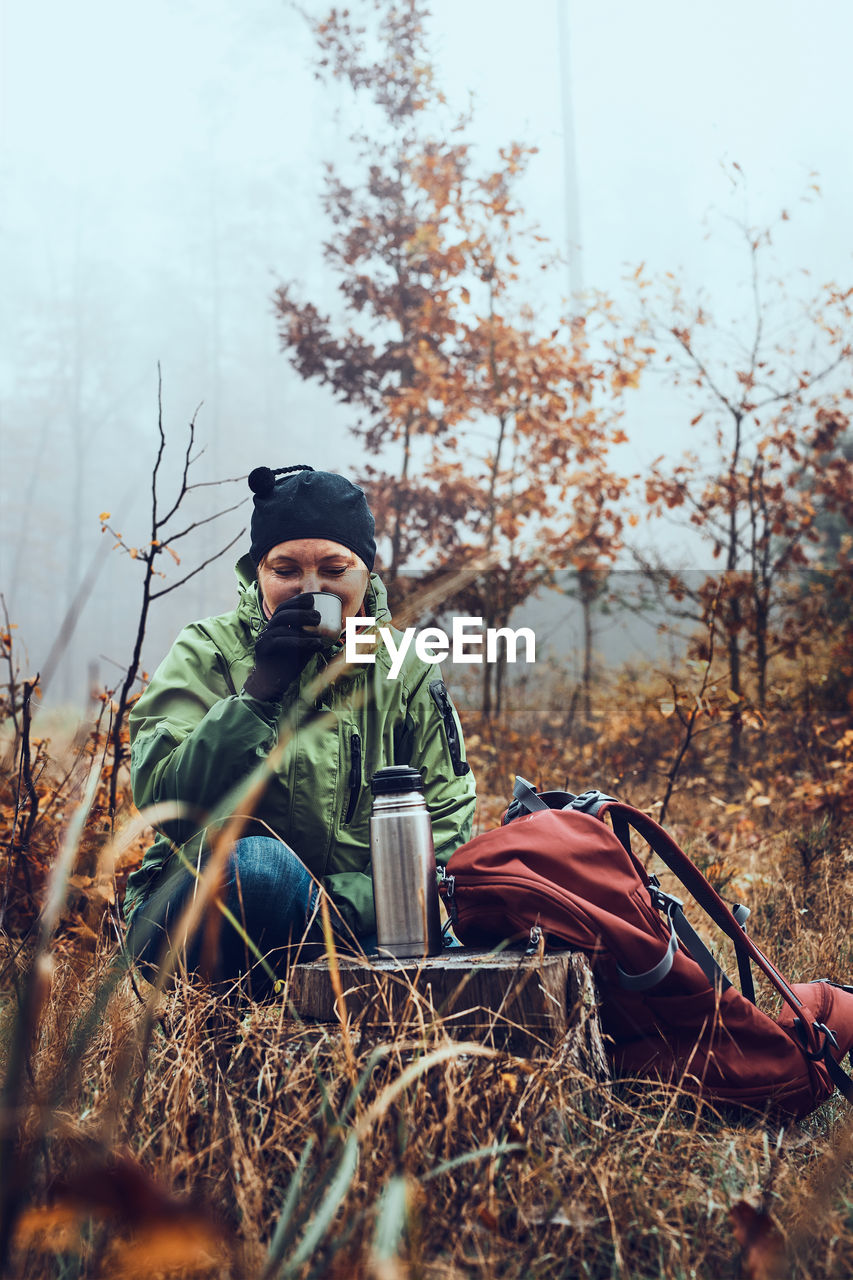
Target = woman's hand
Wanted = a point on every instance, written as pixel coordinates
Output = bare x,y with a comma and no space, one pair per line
282,649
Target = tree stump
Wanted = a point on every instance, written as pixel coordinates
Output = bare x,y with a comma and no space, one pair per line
581,1059
529,1004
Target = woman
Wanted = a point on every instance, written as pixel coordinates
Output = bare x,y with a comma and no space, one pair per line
213,709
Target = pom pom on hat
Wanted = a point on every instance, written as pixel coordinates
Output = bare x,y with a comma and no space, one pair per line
262,481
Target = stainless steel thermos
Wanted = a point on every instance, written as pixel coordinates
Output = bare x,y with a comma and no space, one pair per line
403,864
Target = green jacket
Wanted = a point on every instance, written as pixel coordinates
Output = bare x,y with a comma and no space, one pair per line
194,735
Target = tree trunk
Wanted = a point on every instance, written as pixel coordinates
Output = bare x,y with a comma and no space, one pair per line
733,625
586,676
486,692
761,656
500,672
487,685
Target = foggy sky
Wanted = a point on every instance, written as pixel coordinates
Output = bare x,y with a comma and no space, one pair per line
160,172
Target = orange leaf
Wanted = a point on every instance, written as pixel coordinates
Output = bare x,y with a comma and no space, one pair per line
487,1218
48,1227
170,1247
761,1239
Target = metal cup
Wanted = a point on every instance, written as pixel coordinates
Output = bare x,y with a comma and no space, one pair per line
330,609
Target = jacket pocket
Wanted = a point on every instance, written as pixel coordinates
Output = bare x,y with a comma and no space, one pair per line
354,776
441,698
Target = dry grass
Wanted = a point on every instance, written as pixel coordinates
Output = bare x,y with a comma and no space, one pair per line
244,1143
480,1165
200,1135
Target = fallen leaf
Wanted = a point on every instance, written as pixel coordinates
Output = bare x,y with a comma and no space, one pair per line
487,1218
761,1240
51,1228
168,1248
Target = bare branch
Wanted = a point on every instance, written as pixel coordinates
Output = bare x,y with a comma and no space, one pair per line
700,365
148,556
182,487
26,763
160,451
210,484
13,683
794,392
197,524
156,595
759,314
689,724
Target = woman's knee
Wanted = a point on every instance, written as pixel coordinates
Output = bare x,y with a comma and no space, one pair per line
266,889
264,870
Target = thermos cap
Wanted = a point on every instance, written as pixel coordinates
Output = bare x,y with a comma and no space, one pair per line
396,778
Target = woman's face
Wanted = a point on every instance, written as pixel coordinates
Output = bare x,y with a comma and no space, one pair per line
312,564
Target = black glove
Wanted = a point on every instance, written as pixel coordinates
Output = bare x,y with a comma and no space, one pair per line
282,649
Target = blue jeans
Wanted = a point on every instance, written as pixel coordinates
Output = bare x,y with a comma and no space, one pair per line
268,891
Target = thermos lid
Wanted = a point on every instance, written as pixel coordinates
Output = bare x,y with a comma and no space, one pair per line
396,778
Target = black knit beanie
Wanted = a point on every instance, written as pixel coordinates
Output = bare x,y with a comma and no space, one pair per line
304,503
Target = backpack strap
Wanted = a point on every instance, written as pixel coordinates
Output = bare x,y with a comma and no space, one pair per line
678,922
818,1041
525,799
707,897
651,977
836,1072
838,1075
747,986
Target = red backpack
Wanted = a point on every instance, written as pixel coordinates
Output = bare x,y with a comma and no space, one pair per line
667,1008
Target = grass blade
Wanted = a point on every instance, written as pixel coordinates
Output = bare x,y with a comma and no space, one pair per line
333,1199
391,1220
279,1241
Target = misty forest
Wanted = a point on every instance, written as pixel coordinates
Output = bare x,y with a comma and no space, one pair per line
649,465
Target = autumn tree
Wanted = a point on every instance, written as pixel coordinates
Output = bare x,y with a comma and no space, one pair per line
487,431
399,282
769,402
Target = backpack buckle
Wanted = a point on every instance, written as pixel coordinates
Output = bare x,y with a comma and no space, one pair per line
829,1039
829,1033
663,901
589,801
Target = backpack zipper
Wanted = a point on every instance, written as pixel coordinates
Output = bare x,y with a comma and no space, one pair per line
534,940
447,892
523,882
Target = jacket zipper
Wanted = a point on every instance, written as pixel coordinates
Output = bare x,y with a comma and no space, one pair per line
441,698
354,776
